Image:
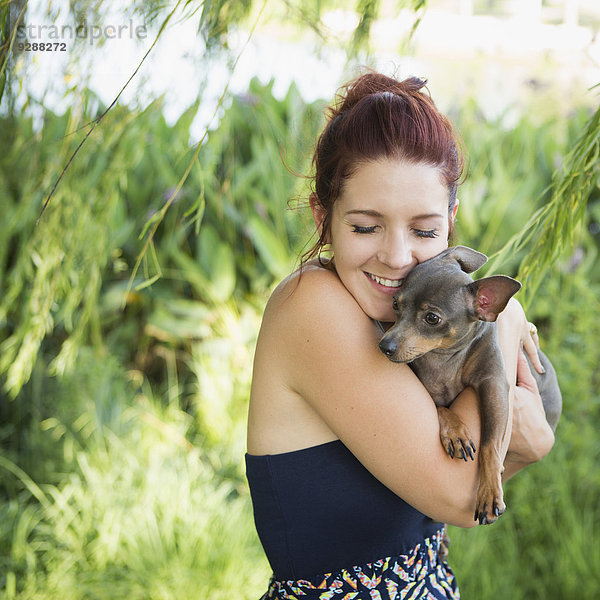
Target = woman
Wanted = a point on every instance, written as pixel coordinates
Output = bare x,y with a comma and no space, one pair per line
349,481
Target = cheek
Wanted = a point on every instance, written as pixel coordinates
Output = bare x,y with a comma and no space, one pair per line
433,249
351,248
352,255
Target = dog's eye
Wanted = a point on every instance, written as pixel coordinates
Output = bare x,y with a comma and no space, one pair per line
395,304
432,319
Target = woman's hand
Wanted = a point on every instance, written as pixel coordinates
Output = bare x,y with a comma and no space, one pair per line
532,437
514,317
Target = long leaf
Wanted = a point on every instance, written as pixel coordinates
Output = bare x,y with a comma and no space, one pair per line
550,233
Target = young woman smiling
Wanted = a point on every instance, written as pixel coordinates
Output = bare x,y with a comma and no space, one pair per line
349,482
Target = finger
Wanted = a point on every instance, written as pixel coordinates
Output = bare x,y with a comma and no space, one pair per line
533,332
532,351
524,376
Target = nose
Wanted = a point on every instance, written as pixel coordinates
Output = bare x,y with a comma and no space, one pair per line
388,346
396,252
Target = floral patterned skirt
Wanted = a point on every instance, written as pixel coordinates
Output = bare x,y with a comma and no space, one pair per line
418,575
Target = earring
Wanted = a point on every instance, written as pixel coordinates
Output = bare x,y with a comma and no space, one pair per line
326,260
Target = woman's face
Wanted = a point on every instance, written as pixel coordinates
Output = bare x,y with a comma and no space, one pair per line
391,216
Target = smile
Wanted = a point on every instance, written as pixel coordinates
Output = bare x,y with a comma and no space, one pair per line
389,283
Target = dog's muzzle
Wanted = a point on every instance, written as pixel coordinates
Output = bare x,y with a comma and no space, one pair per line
399,353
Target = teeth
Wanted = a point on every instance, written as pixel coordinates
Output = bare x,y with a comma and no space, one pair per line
392,283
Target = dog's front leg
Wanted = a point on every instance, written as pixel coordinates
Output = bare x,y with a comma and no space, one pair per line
493,396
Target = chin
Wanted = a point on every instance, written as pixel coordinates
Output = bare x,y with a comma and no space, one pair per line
384,316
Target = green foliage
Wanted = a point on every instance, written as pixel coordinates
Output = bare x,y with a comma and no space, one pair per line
512,196
216,18
4,43
109,452
55,273
121,460
551,232
141,513
245,203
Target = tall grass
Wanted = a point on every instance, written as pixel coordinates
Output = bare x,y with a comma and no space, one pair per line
139,512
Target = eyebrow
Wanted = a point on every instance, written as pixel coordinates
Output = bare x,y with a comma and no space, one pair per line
374,213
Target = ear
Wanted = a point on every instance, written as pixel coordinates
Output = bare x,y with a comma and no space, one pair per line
491,294
318,213
469,260
452,216
455,209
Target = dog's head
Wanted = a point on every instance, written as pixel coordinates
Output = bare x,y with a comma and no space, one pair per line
439,302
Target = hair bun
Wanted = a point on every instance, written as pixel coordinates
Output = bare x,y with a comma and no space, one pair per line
413,84
372,83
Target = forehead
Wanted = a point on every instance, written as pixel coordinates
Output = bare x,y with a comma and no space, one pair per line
387,186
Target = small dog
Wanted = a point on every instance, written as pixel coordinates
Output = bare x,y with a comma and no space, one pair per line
445,328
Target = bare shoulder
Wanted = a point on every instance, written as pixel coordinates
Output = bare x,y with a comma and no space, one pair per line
310,287
280,419
314,297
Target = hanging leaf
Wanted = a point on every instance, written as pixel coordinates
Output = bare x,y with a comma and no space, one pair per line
271,249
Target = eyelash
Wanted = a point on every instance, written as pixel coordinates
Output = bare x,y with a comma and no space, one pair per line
426,233
422,233
359,229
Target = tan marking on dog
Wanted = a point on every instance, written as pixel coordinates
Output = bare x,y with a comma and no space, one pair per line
413,346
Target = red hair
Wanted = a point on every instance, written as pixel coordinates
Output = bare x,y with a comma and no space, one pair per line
375,117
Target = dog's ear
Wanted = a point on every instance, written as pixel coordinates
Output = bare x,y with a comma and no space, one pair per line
491,294
469,260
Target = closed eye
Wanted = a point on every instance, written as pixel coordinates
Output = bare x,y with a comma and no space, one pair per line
359,229
426,233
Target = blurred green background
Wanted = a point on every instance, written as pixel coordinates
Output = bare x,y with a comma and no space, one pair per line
129,313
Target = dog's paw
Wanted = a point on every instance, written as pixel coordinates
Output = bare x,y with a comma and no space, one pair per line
490,503
454,435
459,447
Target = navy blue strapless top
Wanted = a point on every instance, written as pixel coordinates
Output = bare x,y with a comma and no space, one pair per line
318,510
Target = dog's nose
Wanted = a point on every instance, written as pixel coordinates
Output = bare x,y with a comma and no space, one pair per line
388,346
